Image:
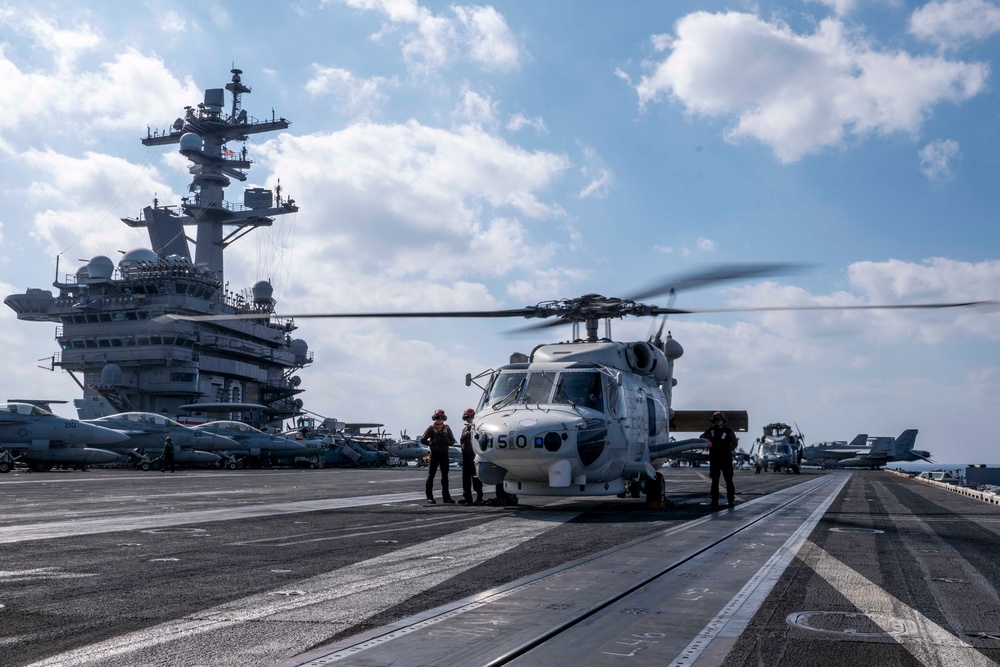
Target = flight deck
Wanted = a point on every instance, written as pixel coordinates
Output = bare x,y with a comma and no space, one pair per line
350,567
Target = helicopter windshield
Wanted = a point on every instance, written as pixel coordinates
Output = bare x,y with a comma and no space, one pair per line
505,388
577,388
539,387
581,388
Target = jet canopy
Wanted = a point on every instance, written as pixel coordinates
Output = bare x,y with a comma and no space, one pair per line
26,409
232,425
147,418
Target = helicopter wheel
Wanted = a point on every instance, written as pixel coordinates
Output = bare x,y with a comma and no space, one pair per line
655,490
757,469
796,470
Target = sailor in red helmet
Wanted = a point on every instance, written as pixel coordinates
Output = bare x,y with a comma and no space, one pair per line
438,437
723,443
469,479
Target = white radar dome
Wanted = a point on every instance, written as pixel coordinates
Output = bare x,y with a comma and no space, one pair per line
136,255
262,290
111,375
191,142
100,267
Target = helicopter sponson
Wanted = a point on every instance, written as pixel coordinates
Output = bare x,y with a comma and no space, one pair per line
577,418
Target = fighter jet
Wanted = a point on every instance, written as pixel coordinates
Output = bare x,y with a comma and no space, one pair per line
33,434
882,450
252,443
146,432
885,450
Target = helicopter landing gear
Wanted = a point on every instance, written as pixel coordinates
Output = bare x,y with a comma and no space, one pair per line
656,492
757,469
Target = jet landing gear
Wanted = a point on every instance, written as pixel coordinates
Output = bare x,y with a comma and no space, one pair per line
6,462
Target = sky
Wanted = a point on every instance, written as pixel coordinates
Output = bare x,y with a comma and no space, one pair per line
452,156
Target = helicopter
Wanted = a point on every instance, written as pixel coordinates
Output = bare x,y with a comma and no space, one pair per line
589,416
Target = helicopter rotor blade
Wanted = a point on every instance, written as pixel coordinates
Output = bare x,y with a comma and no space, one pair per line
515,312
717,274
655,310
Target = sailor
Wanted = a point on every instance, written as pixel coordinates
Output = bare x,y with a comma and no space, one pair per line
438,437
469,479
168,455
722,444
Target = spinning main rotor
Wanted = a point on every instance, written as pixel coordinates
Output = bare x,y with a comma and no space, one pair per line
590,309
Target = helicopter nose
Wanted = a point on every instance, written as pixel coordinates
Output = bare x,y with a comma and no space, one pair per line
553,448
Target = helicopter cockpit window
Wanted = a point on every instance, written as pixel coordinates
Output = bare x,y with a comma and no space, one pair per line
582,389
505,388
539,387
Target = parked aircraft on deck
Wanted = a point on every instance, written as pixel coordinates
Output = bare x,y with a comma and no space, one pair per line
146,432
36,436
252,442
883,450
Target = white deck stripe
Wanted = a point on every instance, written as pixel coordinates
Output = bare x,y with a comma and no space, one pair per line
57,529
735,616
934,645
330,602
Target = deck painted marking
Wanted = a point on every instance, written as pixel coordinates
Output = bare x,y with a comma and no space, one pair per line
57,529
932,645
330,602
734,618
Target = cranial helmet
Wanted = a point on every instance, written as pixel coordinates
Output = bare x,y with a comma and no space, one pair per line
719,415
439,414
469,412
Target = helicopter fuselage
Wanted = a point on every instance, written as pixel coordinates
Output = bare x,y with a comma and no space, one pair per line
577,418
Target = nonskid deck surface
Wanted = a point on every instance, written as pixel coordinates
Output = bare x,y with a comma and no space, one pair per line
611,606
294,567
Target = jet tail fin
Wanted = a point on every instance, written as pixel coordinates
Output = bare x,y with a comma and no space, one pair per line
860,441
905,442
882,445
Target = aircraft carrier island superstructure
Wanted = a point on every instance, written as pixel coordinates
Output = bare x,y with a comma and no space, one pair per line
111,342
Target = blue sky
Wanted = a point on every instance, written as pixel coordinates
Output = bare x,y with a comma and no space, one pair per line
449,156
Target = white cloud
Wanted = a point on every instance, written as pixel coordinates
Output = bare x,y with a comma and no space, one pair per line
476,109
799,94
123,94
706,245
936,159
520,121
479,34
953,23
352,95
415,209
81,201
65,45
840,7
490,41
599,177
890,282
